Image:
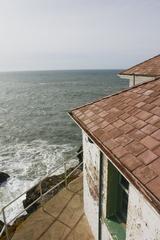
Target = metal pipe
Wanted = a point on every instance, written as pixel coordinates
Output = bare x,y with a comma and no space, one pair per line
134,80
74,169
2,230
65,173
100,196
5,224
41,193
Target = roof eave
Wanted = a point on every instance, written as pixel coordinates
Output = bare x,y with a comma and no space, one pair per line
137,75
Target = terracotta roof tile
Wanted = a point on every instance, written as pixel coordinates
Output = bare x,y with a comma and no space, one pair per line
87,121
155,165
123,140
131,119
140,104
115,132
148,107
149,129
124,116
150,142
135,148
130,134
157,151
148,92
103,124
154,186
136,134
145,174
108,128
139,124
99,132
156,102
154,119
156,134
127,128
103,114
131,162
144,115
150,67
156,111
147,157
99,120
93,129
157,124
90,125
118,123
120,151
150,101
111,144
134,111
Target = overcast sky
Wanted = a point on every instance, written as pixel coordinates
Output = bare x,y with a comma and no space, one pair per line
77,34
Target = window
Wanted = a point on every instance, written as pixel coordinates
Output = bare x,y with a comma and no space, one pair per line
122,211
117,203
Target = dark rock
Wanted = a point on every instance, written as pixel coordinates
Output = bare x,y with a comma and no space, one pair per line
47,184
12,228
3,177
1,225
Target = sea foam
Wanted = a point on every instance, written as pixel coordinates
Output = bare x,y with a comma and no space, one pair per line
26,163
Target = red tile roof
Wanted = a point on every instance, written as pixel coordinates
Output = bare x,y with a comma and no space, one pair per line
150,67
126,127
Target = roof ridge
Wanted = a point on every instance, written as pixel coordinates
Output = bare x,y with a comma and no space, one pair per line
122,72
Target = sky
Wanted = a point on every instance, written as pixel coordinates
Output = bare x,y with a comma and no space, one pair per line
77,34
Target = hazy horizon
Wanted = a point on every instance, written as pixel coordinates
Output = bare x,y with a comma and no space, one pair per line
73,35
47,70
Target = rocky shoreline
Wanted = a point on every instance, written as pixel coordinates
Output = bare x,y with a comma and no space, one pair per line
34,193
3,177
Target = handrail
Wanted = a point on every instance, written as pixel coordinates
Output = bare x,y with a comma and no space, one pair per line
5,227
1,232
57,168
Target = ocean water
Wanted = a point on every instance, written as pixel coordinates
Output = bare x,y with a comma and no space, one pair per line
36,133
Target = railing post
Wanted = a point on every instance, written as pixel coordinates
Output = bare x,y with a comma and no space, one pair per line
5,224
65,173
40,190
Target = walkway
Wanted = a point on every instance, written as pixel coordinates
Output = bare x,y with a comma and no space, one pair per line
61,218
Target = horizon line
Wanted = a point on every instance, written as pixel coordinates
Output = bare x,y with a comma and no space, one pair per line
46,70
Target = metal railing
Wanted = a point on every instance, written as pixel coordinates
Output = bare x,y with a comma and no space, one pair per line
42,194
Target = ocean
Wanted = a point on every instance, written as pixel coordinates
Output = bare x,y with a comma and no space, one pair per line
36,133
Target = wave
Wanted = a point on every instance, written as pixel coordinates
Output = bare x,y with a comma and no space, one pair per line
26,163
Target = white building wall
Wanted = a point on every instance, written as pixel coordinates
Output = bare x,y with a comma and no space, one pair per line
138,79
91,159
143,221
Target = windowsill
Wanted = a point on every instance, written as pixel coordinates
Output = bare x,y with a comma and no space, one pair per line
115,228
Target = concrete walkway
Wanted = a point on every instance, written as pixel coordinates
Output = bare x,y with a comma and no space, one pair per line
61,218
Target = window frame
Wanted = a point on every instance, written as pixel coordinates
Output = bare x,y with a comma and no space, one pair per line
115,220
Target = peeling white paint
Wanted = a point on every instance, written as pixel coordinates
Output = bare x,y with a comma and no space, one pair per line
143,221
91,155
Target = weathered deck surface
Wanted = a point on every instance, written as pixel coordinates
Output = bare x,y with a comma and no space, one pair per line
61,218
